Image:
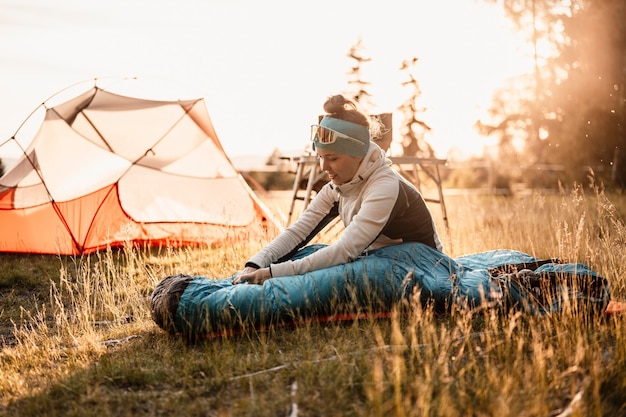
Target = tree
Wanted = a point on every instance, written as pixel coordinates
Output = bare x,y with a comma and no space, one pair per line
363,98
359,93
571,110
413,129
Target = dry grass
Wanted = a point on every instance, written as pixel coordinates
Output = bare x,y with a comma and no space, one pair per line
79,340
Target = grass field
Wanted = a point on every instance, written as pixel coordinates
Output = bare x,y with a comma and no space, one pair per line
77,338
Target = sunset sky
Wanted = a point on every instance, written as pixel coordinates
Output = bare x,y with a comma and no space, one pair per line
264,67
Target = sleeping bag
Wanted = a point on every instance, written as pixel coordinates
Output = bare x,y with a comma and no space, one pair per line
373,285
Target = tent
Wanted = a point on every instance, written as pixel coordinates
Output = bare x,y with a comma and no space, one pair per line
104,170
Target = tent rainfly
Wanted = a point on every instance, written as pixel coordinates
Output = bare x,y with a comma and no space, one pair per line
105,170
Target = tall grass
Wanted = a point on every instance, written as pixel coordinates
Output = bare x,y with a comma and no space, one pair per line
88,346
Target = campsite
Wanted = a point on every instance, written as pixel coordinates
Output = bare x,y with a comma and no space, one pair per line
81,257
124,218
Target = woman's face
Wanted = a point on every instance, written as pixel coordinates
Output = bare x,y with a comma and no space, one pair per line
339,167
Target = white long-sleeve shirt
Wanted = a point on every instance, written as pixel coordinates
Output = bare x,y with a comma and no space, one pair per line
378,208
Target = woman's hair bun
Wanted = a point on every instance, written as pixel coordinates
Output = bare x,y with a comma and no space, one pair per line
335,104
339,107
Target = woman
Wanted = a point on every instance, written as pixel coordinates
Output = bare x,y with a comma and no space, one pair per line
377,206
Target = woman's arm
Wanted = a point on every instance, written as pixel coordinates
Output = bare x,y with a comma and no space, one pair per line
322,209
362,228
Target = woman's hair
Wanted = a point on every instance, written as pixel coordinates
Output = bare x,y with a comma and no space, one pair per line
339,107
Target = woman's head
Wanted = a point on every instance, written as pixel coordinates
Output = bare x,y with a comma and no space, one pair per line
341,139
343,129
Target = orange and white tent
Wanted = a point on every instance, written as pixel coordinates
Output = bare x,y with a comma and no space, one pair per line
104,170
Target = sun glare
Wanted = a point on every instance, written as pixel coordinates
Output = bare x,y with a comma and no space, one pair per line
258,69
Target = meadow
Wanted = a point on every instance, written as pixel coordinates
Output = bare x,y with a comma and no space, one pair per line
77,338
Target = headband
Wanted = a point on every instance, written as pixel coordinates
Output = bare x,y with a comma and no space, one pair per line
345,146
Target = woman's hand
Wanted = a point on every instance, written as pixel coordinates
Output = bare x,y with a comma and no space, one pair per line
253,276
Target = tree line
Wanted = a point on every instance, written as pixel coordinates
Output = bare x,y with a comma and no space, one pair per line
571,110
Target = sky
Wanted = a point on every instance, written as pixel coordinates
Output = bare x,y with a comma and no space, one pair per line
264,68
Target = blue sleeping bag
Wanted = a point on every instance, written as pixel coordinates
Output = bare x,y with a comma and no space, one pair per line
377,282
